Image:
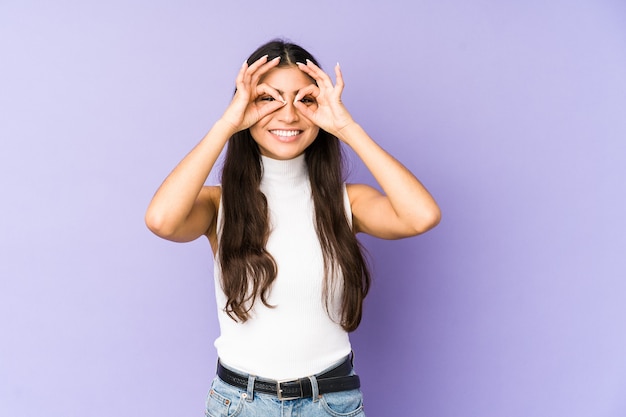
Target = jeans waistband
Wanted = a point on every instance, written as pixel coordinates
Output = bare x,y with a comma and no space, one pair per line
336,379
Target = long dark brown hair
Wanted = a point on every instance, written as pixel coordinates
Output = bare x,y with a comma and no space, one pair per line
248,269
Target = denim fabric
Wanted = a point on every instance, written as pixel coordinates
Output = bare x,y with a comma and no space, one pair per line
224,400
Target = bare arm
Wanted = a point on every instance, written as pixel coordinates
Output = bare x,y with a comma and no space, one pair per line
406,208
183,209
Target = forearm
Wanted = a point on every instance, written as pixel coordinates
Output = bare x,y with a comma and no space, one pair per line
410,200
174,200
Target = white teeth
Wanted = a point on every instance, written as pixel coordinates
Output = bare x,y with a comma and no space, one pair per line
285,133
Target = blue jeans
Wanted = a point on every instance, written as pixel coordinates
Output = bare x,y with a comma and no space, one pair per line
225,400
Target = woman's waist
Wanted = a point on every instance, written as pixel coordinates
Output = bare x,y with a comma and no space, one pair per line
286,356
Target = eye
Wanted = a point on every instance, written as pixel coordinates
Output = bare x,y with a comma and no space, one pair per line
308,100
266,98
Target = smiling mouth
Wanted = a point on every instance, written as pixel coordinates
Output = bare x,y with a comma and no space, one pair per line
285,133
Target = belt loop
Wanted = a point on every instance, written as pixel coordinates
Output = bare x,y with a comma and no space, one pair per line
250,392
315,392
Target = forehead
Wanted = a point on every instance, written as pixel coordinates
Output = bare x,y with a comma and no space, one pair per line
286,78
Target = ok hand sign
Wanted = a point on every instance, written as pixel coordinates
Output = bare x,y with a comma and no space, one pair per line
245,110
330,113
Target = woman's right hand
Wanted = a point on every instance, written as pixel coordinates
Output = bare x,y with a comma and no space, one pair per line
245,109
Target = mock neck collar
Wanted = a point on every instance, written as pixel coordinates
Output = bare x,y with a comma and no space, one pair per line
284,171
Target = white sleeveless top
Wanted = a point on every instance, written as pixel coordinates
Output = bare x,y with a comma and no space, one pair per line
297,337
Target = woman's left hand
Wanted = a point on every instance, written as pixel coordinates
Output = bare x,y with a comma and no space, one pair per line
406,208
330,113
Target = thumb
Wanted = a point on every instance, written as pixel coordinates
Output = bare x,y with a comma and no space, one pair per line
305,110
268,108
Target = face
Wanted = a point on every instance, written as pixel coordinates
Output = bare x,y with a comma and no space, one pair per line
285,133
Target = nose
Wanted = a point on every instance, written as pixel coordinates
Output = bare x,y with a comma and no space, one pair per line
288,113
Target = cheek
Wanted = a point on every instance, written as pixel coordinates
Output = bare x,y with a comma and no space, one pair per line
314,132
261,124
312,107
255,131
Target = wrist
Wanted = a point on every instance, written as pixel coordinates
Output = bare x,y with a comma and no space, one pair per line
349,131
226,126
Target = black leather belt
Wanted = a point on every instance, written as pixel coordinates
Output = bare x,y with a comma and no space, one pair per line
337,379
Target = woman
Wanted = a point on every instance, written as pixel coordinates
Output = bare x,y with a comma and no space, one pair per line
289,273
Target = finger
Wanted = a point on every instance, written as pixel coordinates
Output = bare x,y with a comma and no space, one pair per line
263,69
240,75
305,111
310,89
316,73
339,83
256,64
265,107
262,89
269,108
310,71
252,68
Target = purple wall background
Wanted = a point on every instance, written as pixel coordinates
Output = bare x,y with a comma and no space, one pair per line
512,113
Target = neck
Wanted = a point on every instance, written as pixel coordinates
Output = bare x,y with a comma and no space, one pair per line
285,172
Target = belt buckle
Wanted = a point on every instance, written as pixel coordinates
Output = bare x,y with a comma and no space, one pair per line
279,389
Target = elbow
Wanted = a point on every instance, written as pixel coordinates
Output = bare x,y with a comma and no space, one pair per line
435,217
158,225
427,221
